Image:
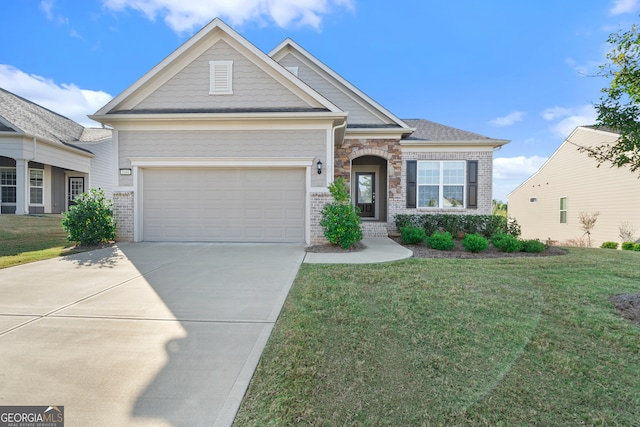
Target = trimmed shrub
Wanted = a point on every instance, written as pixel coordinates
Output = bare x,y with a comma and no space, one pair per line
636,247
506,243
533,246
485,225
442,241
340,220
412,235
609,245
90,221
475,243
628,246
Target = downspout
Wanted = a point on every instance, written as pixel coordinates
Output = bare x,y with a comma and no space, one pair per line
343,125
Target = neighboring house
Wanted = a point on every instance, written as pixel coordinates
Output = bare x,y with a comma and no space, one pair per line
547,205
222,142
46,159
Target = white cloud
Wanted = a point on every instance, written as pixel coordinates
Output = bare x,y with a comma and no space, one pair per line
65,99
47,7
510,172
624,6
567,119
587,69
185,15
508,120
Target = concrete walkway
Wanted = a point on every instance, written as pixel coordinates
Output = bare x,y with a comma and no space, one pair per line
378,249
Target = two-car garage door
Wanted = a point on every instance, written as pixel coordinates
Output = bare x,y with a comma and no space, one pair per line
223,204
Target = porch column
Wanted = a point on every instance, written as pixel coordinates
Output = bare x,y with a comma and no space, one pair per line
22,187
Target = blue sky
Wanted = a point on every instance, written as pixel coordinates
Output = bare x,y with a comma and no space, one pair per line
522,71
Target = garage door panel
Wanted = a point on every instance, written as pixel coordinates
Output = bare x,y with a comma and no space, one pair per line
198,204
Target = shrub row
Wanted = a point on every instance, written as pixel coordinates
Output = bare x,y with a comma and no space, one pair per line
485,225
631,246
473,242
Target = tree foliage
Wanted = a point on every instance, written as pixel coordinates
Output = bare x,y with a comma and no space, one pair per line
619,109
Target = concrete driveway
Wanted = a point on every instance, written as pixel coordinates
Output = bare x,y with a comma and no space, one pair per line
147,334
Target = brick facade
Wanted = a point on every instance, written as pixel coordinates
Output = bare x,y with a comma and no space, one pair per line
318,200
123,214
485,175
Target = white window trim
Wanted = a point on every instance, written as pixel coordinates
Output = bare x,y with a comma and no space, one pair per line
15,186
441,185
220,77
566,219
41,203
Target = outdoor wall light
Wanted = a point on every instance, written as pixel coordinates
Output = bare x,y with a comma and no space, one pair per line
319,166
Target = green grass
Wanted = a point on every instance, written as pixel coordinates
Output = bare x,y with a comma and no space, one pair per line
28,238
507,342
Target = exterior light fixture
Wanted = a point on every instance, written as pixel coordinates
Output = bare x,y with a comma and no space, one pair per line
319,166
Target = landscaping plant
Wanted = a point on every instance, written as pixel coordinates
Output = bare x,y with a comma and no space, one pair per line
506,243
609,245
475,243
533,246
90,221
628,246
340,220
442,241
412,235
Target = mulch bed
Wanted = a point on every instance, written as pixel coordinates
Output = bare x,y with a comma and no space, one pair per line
628,305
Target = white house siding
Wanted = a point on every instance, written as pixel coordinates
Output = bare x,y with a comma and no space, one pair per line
223,144
357,114
252,87
613,192
398,205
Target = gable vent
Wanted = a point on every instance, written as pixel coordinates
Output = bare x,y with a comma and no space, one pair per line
292,70
221,77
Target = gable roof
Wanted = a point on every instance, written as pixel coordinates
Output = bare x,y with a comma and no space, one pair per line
19,116
207,37
568,141
388,119
430,132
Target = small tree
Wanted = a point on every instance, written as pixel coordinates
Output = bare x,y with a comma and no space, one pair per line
90,221
340,219
627,231
587,223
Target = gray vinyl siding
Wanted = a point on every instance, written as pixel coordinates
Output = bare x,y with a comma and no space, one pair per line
324,86
252,87
101,175
58,195
223,144
613,192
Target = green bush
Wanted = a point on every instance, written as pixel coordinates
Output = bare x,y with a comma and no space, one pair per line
636,247
412,235
340,220
533,246
506,243
475,243
485,225
628,246
90,221
609,245
442,241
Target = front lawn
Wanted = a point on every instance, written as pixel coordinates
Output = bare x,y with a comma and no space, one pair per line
514,341
28,238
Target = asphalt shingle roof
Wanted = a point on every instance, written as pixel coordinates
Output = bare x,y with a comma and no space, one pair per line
431,131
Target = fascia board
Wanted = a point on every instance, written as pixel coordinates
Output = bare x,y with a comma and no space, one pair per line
471,143
281,50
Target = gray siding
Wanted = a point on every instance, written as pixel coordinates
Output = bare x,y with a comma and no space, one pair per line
357,113
252,87
58,196
102,167
223,144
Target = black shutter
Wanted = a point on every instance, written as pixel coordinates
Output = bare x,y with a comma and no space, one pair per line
472,184
412,181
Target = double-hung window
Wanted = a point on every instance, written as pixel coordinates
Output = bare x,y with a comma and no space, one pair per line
36,186
563,210
8,185
441,184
